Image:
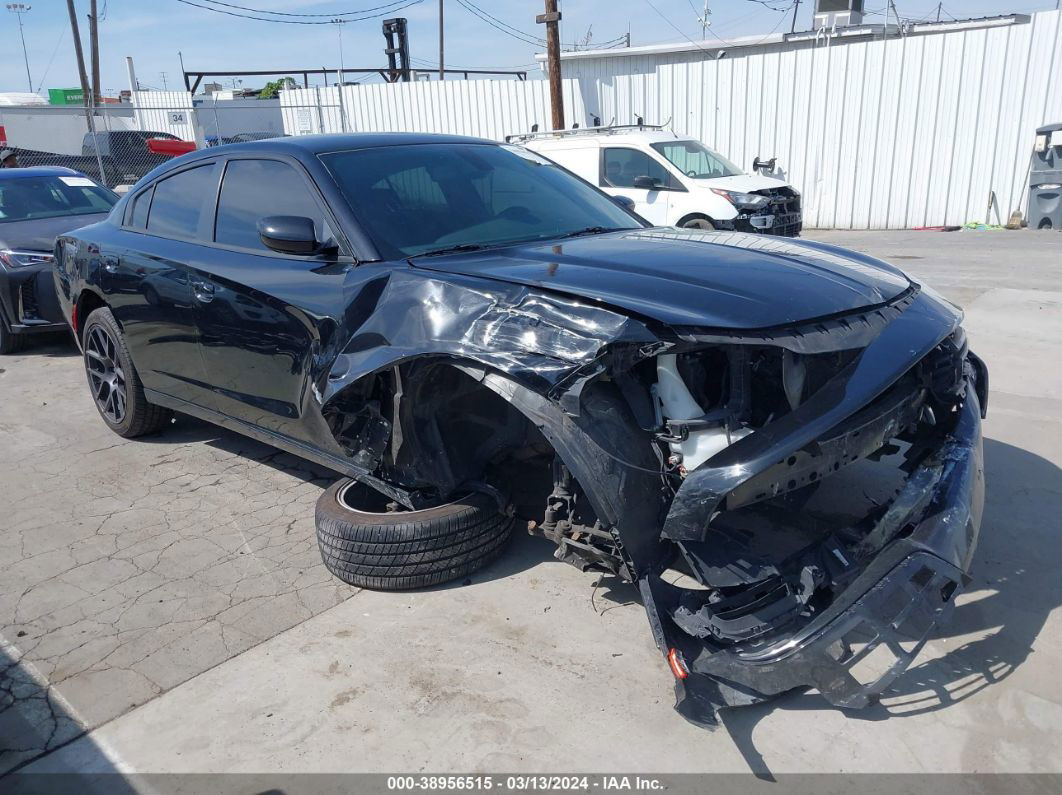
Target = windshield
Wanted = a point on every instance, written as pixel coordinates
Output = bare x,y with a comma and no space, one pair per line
696,160
26,198
426,198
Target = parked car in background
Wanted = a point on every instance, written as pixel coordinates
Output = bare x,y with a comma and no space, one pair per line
673,181
125,153
468,332
36,205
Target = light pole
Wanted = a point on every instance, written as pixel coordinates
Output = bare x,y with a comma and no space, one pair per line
339,22
20,9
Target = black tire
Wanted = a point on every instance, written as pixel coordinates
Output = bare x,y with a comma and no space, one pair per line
131,415
10,343
395,551
697,222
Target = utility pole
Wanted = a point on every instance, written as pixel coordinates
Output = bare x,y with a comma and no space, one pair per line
706,20
442,63
94,51
79,54
551,19
162,77
339,22
796,10
19,9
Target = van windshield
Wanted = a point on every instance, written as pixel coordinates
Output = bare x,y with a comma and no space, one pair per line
696,160
435,198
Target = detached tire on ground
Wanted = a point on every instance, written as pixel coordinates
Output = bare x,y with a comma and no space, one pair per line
364,544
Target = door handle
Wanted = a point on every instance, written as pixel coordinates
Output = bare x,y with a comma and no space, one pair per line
110,263
203,291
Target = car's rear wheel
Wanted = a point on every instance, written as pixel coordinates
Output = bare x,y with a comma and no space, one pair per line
9,342
366,540
113,380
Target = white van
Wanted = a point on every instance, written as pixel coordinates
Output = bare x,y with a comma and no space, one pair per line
673,181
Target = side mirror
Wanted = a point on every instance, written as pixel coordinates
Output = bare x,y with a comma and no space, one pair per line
626,202
647,183
288,234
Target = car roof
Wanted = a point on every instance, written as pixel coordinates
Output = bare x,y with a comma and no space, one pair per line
38,171
318,144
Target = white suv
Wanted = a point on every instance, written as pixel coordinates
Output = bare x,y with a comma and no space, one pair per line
672,181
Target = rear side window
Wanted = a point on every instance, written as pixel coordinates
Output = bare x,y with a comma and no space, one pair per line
621,166
138,215
178,202
254,189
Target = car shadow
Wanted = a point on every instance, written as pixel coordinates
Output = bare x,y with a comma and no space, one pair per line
1014,589
35,721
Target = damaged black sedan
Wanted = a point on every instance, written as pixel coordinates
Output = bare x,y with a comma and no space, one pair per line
777,442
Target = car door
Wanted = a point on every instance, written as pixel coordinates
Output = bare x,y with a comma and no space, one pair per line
145,270
621,166
264,317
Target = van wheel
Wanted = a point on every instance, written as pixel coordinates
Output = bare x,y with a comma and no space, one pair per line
366,540
697,222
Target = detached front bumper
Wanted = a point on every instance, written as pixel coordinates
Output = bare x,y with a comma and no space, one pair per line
874,629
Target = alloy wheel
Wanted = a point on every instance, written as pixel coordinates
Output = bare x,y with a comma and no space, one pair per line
105,373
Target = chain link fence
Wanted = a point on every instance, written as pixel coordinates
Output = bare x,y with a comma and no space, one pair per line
117,145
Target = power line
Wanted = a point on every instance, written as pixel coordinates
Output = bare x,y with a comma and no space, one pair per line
682,33
517,33
385,6
390,9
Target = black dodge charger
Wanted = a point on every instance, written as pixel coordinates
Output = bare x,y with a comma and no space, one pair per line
777,442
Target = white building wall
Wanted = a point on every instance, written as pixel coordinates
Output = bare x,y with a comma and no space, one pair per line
909,131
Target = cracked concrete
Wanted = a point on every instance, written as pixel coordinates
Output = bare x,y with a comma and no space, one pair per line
130,567
180,574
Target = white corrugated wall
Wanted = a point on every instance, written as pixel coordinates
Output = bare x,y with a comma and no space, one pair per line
909,131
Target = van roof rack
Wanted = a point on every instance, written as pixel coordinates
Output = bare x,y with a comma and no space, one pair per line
606,129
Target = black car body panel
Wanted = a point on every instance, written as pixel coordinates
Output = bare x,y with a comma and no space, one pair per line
431,373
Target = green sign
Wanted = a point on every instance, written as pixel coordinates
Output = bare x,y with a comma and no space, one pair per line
66,96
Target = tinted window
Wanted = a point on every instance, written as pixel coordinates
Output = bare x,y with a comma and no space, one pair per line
621,166
416,199
138,215
52,197
253,189
179,200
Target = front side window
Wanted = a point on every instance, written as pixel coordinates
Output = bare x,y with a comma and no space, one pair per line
622,166
27,198
178,202
696,160
416,199
254,189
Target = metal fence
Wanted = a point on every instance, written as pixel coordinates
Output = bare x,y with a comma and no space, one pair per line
118,144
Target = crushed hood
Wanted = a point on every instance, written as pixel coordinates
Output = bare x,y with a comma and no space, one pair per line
723,280
745,183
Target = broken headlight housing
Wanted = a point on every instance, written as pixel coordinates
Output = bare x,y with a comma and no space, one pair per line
743,201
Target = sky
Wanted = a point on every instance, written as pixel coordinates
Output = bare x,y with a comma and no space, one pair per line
154,31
